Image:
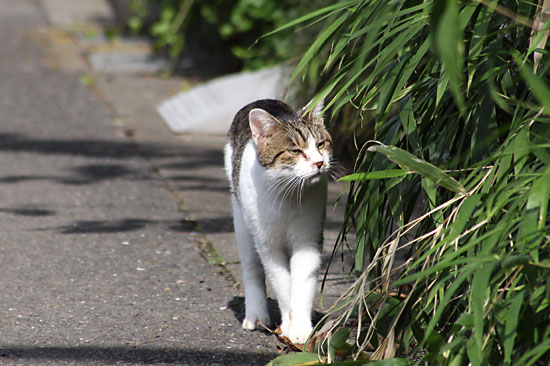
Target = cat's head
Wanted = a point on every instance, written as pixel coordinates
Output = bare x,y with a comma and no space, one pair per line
296,145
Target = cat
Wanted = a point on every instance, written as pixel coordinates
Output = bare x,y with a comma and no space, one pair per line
278,163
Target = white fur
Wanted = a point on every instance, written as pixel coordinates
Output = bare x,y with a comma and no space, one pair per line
279,232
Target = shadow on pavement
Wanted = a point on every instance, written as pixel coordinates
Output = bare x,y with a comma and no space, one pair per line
236,305
205,226
182,157
110,148
117,354
98,227
28,211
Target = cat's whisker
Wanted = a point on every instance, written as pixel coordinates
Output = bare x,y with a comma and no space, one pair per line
296,189
287,186
302,184
278,185
336,170
333,175
273,188
282,188
290,188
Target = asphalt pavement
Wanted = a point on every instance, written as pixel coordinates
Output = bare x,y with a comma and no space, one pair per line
116,239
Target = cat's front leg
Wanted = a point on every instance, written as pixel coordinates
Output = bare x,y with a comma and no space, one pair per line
304,265
255,294
256,311
253,274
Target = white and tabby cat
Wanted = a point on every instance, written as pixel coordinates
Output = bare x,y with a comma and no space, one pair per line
277,163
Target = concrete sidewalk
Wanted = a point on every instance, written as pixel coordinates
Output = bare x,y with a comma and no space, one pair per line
116,242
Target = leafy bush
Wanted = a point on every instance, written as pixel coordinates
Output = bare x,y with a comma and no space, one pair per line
456,177
228,30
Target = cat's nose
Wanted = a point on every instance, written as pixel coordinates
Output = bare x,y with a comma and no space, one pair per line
318,164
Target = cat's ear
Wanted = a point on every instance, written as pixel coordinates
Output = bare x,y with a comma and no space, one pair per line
315,114
260,121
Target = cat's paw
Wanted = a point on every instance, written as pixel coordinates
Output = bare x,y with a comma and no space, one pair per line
296,332
250,323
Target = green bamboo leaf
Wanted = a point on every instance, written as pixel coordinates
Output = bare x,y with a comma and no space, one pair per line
388,362
360,250
448,294
464,215
465,320
522,148
398,38
296,359
338,341
538,87
381,174
352,78
318,44
480,29
417,57
314,14
339,338
510,327
409,124
442,265
441,88
389,86
485,125
408,161
430,190
474,355
458,360
535,353
325,92
480,285
434,342
448,40
539,197
515,260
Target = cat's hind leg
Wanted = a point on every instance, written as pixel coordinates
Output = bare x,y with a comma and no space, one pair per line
253,274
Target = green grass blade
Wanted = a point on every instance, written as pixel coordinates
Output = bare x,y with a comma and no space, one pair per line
448,294
409,161
448,39
297,359
538,87
313,15
534,354
539,197
511,325
480,286
319,42
381,174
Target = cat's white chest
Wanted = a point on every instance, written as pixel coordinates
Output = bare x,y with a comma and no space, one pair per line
271,206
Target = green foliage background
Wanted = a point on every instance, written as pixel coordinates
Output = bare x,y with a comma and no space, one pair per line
230,28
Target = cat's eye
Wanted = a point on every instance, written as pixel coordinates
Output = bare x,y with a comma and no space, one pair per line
321,145
295,152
